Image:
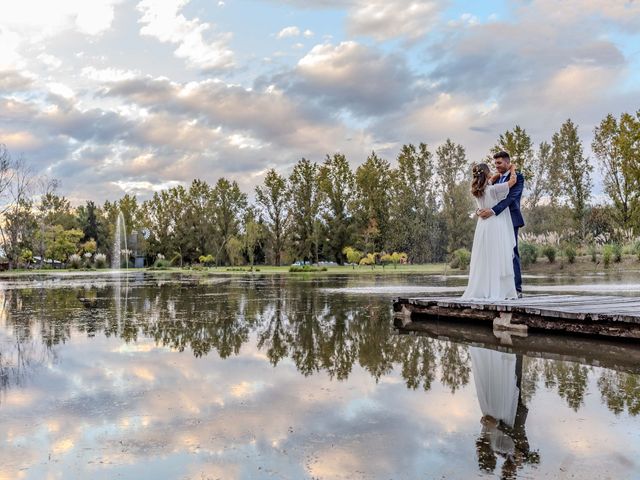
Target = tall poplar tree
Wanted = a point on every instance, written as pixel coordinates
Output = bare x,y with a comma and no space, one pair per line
373,192
337,187
454,189
305,203
273,198
414,205
610,139
572,172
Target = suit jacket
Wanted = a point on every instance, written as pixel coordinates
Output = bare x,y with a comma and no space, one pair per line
513,201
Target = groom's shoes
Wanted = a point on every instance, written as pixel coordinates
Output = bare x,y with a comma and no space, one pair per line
520,295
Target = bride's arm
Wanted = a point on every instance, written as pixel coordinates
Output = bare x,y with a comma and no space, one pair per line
494,178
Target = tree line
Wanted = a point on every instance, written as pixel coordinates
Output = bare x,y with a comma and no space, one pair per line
321,211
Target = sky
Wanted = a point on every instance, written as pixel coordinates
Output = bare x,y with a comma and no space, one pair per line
132,96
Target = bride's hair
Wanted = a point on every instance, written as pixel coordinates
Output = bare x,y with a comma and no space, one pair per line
481,174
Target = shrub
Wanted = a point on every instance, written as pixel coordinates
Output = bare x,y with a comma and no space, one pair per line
385,259
100,260
593,252
550,252
369,259
528,253
607,254
460,259
206,260
399,257
617,252
161,264
570,253
306,268
75,261
635,249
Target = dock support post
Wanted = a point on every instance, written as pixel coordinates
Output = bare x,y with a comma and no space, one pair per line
503,322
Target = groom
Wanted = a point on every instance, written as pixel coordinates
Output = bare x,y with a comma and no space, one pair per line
503,163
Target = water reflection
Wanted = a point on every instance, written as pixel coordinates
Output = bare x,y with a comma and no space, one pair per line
144,369
317,332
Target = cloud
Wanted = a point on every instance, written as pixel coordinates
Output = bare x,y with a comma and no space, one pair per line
352,76
288,32
40,20
161,19
12,81
385,19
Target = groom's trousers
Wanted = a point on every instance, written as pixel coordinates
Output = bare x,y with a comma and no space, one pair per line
516,263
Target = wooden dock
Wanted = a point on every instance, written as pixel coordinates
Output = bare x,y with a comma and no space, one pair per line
611,316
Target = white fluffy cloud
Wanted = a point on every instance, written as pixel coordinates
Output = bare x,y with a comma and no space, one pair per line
162,20
385,19
289,32
44,19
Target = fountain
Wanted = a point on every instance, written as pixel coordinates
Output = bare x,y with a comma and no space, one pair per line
121,232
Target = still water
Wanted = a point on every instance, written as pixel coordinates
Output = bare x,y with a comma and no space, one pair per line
159,376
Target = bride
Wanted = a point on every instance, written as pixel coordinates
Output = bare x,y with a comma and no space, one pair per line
491,272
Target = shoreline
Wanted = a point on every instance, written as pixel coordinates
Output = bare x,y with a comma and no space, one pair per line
582,266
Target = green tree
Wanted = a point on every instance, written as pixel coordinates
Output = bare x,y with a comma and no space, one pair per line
253,234
538,183
273,198
352,255
611,146
517,143
233,247
457,204
229,207
61,243
575,182
161,217
305,204
16,216
629,144
373,182
90,220
414,205
337,186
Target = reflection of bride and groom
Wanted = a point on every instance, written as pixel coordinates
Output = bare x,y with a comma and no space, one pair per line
498,380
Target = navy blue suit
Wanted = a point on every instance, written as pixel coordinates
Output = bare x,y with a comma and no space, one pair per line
513,202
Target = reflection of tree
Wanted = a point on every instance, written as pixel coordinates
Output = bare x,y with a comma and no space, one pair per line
376,345
530,377
620,390
22,354
454,365
569,378
272,334
417,356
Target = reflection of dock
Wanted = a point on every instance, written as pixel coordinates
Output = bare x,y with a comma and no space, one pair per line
592,315
623,357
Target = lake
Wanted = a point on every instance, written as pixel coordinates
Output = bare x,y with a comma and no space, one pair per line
159,376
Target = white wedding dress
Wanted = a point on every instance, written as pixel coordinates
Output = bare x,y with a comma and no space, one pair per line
491,270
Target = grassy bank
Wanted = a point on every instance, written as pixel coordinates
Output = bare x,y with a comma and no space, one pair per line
582,266
427,269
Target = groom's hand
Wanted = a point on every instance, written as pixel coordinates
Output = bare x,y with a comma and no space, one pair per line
485,213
